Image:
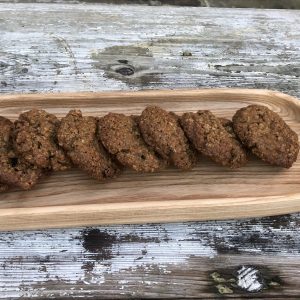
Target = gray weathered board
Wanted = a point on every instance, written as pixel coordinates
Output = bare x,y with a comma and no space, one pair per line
60,47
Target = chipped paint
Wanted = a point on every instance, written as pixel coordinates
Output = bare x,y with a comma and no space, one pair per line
250,279
82,50
88,257
102,252
224,289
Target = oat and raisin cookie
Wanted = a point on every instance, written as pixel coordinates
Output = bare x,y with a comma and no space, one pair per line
161,131
266,134
35,140
121,137
78,136
211,138
14,170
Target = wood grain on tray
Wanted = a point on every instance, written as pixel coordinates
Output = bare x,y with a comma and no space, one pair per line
207,192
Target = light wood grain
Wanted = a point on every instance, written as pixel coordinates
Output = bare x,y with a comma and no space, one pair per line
207,192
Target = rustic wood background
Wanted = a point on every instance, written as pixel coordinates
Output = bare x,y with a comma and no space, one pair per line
75,47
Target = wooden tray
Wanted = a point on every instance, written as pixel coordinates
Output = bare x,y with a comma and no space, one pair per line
205,193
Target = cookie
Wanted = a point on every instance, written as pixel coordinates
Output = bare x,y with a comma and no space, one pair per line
162,131
266,134
35,140
212,139
14,170
121,137
77,135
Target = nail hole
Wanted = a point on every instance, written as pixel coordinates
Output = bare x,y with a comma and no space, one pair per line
125,71
123,61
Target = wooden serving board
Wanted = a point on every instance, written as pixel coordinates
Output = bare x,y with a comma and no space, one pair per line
207,192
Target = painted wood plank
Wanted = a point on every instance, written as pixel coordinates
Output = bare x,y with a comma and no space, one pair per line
163,260
64,47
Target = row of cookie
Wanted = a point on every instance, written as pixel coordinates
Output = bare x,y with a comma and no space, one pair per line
38,142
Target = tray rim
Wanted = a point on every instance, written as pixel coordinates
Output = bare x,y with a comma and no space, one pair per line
150,93
195,209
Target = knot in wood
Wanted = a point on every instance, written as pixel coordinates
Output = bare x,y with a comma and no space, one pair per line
125,71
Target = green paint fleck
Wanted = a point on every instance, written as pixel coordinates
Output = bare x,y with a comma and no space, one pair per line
274,283
223,289
217,277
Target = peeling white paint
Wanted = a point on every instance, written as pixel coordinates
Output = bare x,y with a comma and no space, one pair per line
249,280
160,251
59,255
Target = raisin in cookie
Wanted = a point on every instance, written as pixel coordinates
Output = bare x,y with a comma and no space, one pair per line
3,187
14,170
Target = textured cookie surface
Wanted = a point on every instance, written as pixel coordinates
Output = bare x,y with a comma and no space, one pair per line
14,171
35,140
120,135
228,125
78,136
162,131
3,187
212,139
266,134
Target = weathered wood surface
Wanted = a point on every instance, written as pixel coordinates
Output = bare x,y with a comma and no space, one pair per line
79,47
167,260
278,4
207,192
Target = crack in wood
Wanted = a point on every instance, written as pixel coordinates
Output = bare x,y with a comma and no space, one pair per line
62,43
